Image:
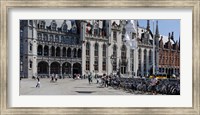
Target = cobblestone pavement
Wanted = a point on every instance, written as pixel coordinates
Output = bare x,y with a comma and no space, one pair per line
67,86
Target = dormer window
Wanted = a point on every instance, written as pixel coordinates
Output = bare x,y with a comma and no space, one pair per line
64,28
42,24
53,25
74,30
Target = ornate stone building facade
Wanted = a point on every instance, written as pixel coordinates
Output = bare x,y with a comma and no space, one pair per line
49,49
97,46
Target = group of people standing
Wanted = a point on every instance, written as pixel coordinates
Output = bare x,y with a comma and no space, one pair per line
54,78
103,80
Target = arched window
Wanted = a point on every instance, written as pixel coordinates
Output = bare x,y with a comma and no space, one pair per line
52,51
96,56
64,52
58,51
39,50
69,52
75,53
46,50
87,56
79,53
104,58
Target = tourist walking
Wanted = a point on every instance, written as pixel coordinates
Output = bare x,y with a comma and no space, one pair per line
38,82
89,78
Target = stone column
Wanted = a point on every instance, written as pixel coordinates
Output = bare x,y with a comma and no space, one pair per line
49,51
71,69
61,70
55,52
61,52
42,50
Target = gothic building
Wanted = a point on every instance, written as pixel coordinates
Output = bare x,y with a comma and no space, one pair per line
49,49
169,55
66,47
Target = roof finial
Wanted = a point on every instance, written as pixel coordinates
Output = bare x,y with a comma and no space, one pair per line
148,25
157,31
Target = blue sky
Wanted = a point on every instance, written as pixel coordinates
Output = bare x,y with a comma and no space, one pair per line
165,26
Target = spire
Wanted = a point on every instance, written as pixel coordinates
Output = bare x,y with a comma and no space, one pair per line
148,25
137,23
157,31
169,37
172,36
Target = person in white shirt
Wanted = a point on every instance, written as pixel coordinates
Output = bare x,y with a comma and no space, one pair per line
153,84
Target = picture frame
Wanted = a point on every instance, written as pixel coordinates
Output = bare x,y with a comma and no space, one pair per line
4,97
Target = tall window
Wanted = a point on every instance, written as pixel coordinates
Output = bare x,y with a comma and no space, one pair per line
132,61
75,53
87,56
150,57
31,45
39,50
39,36
124,61
51,38
96,56
46,51
114,61
145,61
139,64
57,38
104,58
69,52
30,65
114,35
45,37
